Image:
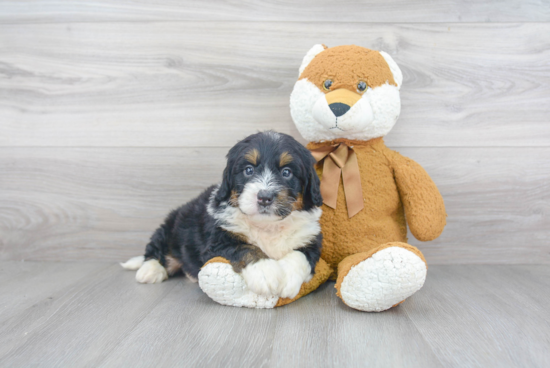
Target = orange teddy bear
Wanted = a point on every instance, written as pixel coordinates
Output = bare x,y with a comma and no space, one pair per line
346,99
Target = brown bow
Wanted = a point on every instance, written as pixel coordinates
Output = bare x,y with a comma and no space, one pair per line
342,160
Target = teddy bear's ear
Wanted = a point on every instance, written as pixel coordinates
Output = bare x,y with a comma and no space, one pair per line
314,51
397,75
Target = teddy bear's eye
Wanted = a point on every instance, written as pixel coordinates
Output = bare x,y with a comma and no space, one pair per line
327,84
361,86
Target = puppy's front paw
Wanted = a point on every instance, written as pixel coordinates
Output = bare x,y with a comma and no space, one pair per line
296,270
292,286
264,277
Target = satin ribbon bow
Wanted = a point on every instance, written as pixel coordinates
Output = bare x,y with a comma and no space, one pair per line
340,160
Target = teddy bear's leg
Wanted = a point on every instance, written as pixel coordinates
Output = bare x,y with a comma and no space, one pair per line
381,278
225,286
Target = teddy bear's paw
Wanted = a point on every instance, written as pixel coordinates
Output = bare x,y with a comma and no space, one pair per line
223,285
383,280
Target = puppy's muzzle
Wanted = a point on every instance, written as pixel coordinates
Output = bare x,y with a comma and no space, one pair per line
265,198
341,100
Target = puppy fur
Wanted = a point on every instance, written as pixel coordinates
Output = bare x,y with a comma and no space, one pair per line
263,218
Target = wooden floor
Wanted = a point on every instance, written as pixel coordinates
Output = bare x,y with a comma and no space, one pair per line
57,314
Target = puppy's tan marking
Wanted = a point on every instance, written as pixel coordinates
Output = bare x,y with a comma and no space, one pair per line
252,156
283,197
240,237
191,278
234,199
298,205
254,255
287,202
172,265
285,159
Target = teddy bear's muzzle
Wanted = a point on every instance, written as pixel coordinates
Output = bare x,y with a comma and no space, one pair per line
343,112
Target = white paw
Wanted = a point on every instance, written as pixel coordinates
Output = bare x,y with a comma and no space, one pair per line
264,277
151,272
383,280
225,286
296,271
293,283
133,263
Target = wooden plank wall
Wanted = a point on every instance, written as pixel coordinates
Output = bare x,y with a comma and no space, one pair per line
112,113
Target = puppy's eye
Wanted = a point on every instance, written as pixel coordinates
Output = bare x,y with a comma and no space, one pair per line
327,84
286,173
361,86
249,170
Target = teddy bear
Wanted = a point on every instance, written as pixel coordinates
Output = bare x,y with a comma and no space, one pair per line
345,101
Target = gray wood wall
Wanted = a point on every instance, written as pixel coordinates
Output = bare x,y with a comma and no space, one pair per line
112,113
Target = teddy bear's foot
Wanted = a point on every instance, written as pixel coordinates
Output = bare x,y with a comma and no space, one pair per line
378,280
221,283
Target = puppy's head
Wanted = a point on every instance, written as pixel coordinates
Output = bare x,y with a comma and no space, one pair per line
269,175
346,92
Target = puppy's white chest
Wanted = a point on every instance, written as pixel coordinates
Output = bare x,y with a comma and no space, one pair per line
277,239
278,242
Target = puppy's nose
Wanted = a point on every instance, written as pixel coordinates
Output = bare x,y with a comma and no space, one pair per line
265,198
338,108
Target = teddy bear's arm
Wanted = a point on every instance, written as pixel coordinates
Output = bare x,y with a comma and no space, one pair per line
423,204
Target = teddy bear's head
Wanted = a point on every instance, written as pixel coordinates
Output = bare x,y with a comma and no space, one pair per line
346,92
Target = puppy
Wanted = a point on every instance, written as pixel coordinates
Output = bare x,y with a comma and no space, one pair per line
263,218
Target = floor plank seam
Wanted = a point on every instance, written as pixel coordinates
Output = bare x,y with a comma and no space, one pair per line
305,21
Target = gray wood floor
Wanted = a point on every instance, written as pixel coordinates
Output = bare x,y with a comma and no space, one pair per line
96,315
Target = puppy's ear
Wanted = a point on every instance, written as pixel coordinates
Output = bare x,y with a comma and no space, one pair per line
224,191
314,51
312,188
228,182
397,74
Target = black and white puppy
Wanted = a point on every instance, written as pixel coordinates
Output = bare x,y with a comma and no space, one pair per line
263,218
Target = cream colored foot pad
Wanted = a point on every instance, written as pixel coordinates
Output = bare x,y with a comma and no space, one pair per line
225,286
383,280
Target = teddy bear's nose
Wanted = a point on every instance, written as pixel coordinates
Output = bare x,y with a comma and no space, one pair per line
339,108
